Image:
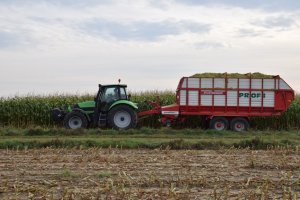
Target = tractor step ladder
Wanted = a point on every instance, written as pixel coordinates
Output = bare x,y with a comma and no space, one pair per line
102,119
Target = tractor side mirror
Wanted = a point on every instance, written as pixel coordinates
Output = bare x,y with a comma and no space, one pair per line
129,97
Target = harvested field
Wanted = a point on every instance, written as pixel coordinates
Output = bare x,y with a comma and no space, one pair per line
97,173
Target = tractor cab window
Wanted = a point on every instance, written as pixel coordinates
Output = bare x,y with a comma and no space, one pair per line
110,94
123,93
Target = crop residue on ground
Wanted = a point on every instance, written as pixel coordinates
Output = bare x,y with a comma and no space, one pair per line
149,174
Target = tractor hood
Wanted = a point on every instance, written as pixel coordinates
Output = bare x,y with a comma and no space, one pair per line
87,104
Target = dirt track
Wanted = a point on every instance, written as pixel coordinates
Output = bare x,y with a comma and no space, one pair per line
149,174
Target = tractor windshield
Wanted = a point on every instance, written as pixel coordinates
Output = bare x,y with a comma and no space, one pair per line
113,94
110,94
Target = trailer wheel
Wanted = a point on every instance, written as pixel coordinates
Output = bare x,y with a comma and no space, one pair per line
122,117
239,124
75,120
219,123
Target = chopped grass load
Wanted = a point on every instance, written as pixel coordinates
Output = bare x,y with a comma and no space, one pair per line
232,75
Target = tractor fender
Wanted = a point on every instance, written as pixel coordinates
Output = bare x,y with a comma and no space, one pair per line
82,111
126,102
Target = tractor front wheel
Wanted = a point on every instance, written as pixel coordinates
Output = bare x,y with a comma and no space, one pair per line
75,120
122,117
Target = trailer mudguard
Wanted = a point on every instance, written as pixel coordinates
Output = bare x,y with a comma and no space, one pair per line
126,102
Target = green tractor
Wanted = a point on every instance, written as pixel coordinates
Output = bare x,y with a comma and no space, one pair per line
111,107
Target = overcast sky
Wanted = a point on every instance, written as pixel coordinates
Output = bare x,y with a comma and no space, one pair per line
50,46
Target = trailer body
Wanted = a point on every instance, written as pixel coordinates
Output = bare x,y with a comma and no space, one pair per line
233,96
227,99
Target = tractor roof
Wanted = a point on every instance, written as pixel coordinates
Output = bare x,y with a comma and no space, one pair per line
113,85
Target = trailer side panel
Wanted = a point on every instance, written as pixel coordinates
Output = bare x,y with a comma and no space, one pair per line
233,96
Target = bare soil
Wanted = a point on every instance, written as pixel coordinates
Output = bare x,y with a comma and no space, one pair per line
149,174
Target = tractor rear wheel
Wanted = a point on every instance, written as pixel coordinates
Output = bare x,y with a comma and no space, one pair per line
122,117
75,120
239,124
219,124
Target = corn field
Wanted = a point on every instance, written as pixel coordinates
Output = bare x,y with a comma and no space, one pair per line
32,111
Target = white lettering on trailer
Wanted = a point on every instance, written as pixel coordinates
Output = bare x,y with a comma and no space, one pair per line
170,112
210,92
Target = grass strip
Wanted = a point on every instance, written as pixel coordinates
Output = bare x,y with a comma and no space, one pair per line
145,138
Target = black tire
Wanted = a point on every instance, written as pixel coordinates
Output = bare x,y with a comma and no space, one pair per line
122,117
239,124
219,123
75,120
